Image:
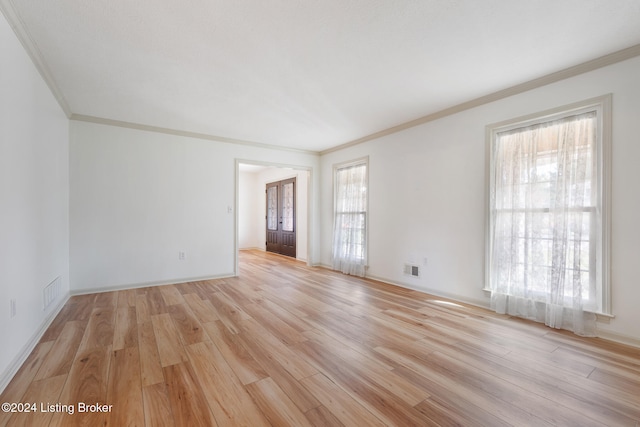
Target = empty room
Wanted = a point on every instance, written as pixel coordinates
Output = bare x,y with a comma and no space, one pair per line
336,213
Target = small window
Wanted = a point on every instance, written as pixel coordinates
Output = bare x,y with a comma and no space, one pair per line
350,217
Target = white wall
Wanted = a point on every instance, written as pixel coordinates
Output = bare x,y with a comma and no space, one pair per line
34,215
137,198
253,211
249,236
427,194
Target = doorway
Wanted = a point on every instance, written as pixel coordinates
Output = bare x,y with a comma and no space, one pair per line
251,179
280,220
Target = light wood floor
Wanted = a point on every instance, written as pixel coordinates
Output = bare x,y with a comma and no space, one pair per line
284,344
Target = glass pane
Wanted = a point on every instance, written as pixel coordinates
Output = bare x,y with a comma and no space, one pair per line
287,207
272,208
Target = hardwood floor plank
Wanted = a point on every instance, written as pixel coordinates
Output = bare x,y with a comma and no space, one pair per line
322,417
335,339
628,385
444,380
106,300
150,363
203,309
100,327
185,287
157,408
517,393
83,300
228,399
206,288
187,401
273,324
59,359
170,346
155,301
611,365
171,295
56,327
281,354
276,405
442,415
576,394
230,313
80,308
86,383
126,298
246,368
187,324
372,370
307,304
294,321
612,395
371,332
124,390
496,337
292,387
596,348
125,331
555,361
339,403
143,313
374,397
272,297
243,297
39,394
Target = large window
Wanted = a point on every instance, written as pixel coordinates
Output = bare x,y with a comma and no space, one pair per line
350,217
547,252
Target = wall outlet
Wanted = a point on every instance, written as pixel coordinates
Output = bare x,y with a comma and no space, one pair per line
182,255
12,308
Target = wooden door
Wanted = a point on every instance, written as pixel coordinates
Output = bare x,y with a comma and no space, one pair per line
281,217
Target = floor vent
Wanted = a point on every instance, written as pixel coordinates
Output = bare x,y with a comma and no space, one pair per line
51,292
412,270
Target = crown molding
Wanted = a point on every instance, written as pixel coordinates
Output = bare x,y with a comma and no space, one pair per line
10,13
19,28
16,23
169,131
594,64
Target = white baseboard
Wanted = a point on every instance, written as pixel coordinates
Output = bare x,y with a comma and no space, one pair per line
24,353
149,284
428,291
618,338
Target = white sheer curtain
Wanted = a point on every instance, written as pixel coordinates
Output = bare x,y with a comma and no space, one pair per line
350,220
544,220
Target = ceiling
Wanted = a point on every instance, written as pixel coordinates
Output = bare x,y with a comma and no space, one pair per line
310,74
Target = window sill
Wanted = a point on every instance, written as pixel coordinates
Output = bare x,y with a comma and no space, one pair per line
601,316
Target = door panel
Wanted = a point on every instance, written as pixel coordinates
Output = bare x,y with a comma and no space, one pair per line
273,235
281,217
288,218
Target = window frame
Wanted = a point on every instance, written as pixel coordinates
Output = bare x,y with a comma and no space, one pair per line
602,106
343,165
